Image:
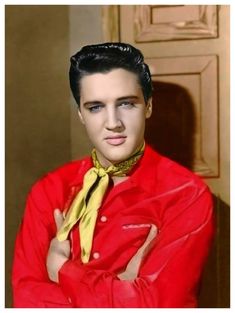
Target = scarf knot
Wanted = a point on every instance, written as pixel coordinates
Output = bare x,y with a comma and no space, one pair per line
101,172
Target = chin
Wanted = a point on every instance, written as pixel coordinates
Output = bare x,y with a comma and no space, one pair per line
118,156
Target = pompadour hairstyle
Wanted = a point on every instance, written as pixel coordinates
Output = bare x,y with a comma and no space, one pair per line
102,58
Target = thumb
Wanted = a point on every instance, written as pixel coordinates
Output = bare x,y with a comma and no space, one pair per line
58,216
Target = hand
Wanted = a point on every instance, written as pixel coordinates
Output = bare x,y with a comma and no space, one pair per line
132,269
59,251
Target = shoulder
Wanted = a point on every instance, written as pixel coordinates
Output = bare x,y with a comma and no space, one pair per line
64,176
179,193
169,176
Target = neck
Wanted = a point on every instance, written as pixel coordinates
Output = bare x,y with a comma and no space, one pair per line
118,169
106,163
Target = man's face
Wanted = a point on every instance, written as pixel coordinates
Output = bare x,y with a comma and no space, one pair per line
113,110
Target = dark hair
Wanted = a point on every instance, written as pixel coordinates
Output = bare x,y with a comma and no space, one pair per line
102,58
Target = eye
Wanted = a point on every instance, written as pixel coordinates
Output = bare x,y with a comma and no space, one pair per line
127,104
95,108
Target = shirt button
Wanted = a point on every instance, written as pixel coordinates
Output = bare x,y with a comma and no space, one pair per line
96,255
103,219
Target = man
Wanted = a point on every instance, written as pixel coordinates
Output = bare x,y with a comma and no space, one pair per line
126,227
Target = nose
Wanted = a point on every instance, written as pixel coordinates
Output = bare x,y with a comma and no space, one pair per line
113,121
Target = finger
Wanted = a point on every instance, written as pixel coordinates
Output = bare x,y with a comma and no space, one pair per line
134,264
58,216
144,249
153,232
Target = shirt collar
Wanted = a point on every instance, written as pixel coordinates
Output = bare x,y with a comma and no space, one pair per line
143,175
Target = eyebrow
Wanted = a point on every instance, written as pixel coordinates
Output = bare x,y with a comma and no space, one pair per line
86,104
96,102
127,97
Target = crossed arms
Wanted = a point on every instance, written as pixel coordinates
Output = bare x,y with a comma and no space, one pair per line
164,271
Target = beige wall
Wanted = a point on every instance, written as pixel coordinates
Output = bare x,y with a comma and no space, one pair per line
42,128
37,105
85,28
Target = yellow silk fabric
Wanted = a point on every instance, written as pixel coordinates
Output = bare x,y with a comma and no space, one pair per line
85,205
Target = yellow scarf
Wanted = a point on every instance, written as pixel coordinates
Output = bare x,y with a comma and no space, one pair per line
85,205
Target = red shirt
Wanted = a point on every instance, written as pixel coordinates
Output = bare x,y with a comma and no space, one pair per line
158,192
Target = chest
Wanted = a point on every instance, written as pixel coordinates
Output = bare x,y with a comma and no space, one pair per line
123,224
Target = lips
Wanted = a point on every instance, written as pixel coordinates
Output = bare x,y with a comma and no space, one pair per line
115,140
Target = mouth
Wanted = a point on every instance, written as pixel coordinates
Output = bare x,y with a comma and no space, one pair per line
115,140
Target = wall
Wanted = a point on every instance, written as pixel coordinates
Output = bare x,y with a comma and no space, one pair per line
37,105
85,28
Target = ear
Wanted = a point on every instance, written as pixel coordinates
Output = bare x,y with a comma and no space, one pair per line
80,116
148,111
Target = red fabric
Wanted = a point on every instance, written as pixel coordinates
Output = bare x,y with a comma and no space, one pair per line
158,192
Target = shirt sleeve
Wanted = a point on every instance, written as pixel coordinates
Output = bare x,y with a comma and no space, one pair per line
169,275
31,285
